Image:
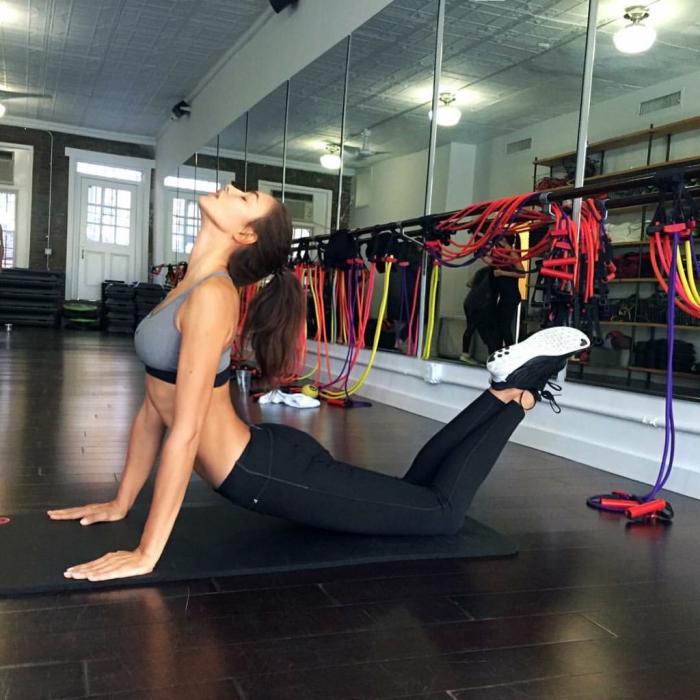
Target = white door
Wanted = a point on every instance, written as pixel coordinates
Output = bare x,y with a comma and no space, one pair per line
107,235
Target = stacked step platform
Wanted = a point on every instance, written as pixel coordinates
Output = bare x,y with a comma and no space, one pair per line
31,297
126,305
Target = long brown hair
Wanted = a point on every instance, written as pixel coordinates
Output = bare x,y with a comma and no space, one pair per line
277,311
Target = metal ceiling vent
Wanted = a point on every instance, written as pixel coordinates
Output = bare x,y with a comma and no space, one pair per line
518,146
7,167
659,103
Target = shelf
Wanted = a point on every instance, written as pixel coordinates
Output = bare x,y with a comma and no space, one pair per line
629,244
624,280
632,280
639,324
640,201
631,368
642,324
642,170
678,127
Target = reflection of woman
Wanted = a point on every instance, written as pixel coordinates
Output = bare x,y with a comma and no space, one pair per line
505,285
480,312
278,470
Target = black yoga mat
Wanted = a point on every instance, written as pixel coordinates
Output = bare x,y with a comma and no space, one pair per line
211,541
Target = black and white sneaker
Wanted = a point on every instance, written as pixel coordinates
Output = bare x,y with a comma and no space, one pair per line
531,364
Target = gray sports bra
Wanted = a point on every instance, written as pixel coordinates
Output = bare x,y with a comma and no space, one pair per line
157,341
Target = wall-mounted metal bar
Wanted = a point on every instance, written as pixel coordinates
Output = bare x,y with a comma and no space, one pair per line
640,181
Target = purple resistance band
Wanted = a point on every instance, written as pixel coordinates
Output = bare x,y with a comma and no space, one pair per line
348,354
670,437
670,431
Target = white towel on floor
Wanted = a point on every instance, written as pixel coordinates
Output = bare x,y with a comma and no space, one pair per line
293,400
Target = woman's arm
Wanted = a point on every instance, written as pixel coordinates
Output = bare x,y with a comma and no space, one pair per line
506,273
515,261
206,321
146,437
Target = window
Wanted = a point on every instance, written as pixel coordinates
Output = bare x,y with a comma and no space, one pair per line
301,233
109,172
108,215
191,185
186,222
8,221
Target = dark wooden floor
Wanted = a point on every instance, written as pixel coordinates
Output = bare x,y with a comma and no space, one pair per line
591,609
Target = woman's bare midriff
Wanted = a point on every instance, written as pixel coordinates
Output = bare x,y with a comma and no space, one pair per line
224,435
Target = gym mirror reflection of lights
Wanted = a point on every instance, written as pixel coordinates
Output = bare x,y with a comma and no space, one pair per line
8,15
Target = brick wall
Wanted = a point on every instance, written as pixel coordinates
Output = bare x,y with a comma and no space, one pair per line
41,141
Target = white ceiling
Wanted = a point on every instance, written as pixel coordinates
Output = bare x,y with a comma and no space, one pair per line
521,60
120,65
114,65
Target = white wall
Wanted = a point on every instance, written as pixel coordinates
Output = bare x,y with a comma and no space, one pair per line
459,192
394,190
499,175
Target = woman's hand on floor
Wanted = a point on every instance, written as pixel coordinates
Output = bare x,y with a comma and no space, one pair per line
93,513
113,565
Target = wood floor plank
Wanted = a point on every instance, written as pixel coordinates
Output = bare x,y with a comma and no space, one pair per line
336,652
218,690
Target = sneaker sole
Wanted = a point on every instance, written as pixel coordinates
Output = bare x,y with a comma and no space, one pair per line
550,344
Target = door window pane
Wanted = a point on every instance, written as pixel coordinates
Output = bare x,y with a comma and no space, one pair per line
109,172
93,233
108,215
8,221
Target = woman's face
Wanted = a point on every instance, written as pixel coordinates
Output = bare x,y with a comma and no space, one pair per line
232,210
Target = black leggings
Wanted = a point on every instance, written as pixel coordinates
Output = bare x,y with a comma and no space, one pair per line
286,473
508,302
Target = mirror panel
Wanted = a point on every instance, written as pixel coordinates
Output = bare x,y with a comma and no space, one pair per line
392,65
645,113
391,82
314,131
515,75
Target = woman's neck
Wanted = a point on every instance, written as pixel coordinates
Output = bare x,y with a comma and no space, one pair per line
206,257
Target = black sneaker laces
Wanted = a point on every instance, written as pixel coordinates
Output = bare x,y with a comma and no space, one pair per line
549,396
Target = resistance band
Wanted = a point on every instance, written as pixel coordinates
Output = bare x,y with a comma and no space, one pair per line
677,281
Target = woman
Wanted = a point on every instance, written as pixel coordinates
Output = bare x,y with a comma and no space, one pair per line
507,290
480,312
278,470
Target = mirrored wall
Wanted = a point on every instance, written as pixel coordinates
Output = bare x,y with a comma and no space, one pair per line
346,143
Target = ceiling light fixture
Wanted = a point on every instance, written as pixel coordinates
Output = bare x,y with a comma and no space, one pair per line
447,115
635,37
331,160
